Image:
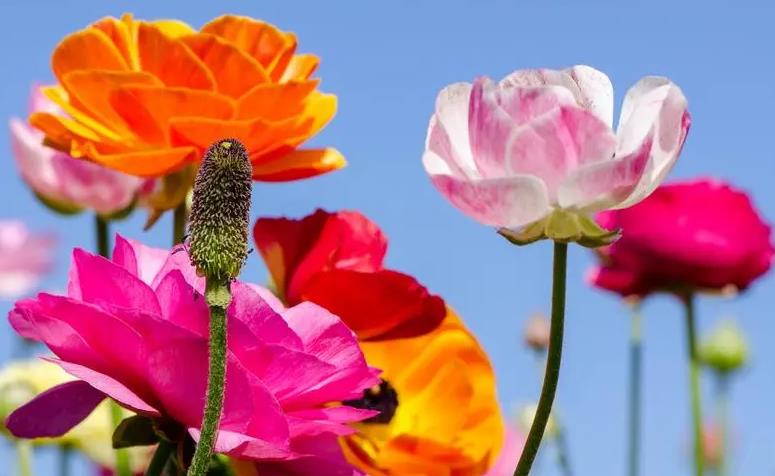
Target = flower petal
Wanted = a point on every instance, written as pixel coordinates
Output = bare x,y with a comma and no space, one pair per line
504,202
451,117
298,164
654,109
300,67
275,101
140,260
86,49
144,163
170,60
261,40
55,411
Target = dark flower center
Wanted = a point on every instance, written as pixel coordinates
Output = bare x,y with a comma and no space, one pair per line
382,398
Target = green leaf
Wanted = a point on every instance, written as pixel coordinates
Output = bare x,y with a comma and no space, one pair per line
135,431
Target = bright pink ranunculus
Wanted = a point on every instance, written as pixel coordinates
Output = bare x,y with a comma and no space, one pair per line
536,153
135,329
61,181
686,236
24,258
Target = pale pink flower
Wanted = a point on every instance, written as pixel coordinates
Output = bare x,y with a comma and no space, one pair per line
536,154
62,182
135,329
506,462
24,258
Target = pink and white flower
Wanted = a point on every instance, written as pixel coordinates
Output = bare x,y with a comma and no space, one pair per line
536,153
24,258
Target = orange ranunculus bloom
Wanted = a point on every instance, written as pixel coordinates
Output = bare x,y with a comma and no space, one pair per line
443,418
147,97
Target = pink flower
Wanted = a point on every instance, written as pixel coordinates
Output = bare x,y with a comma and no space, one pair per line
64,183
535,154
24,258
135,330
686,236
506,462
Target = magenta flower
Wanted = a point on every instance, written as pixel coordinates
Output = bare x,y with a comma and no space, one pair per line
535,154
24,258
133,329
62,182
687,236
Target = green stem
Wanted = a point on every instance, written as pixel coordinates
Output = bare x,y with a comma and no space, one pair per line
561,437
694,384
636,379
102,229
65,451
24,457
179,219
123,465
722,419
553,360
218,297
160,458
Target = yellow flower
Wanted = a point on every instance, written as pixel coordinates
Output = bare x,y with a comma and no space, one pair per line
445,421
20,381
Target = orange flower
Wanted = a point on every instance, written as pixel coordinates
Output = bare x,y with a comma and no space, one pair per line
146,98
440,414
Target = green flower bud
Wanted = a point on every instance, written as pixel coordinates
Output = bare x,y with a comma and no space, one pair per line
724,349
218,225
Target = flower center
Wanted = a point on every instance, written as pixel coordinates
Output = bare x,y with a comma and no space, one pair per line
382,398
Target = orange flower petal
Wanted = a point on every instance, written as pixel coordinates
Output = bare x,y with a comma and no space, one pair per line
283,58
147,110
59,96
299,164
61,129
122,38
150,163
171,60
274,101
87,49
174,28
260,40
235,71
91,91
300,67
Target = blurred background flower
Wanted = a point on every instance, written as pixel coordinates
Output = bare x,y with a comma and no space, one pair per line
25,257
64,184
146,98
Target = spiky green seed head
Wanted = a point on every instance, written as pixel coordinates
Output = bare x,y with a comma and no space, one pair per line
218,225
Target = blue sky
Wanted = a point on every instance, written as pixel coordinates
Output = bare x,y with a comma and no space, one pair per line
387,61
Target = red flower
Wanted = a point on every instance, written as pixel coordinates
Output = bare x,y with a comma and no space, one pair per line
697,235
336,261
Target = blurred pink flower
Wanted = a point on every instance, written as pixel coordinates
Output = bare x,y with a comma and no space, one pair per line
535,154
62,182
512,449
694,235
133,329
24,258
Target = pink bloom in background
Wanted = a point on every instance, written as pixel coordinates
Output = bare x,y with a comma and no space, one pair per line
512,449
133,329
536,153
695,235
24,258
62,182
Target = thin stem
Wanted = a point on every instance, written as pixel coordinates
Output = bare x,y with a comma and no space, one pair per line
65,451
694,384
179,219
561,437
24,457
553,360
216,379
102,230
160,458
722,419
636,380
123,465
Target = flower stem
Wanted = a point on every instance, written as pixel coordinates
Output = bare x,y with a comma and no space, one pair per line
218,296
102,232
179,218
722,419
24,457
160,458
561,435
636,381
694,384
553,360
65,451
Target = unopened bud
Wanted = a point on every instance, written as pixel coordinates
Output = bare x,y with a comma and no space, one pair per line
724,349
537,332
218,226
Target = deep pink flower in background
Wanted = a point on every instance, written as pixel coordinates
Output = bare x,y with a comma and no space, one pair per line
24,258
133,329
694,235
62,182
536,153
